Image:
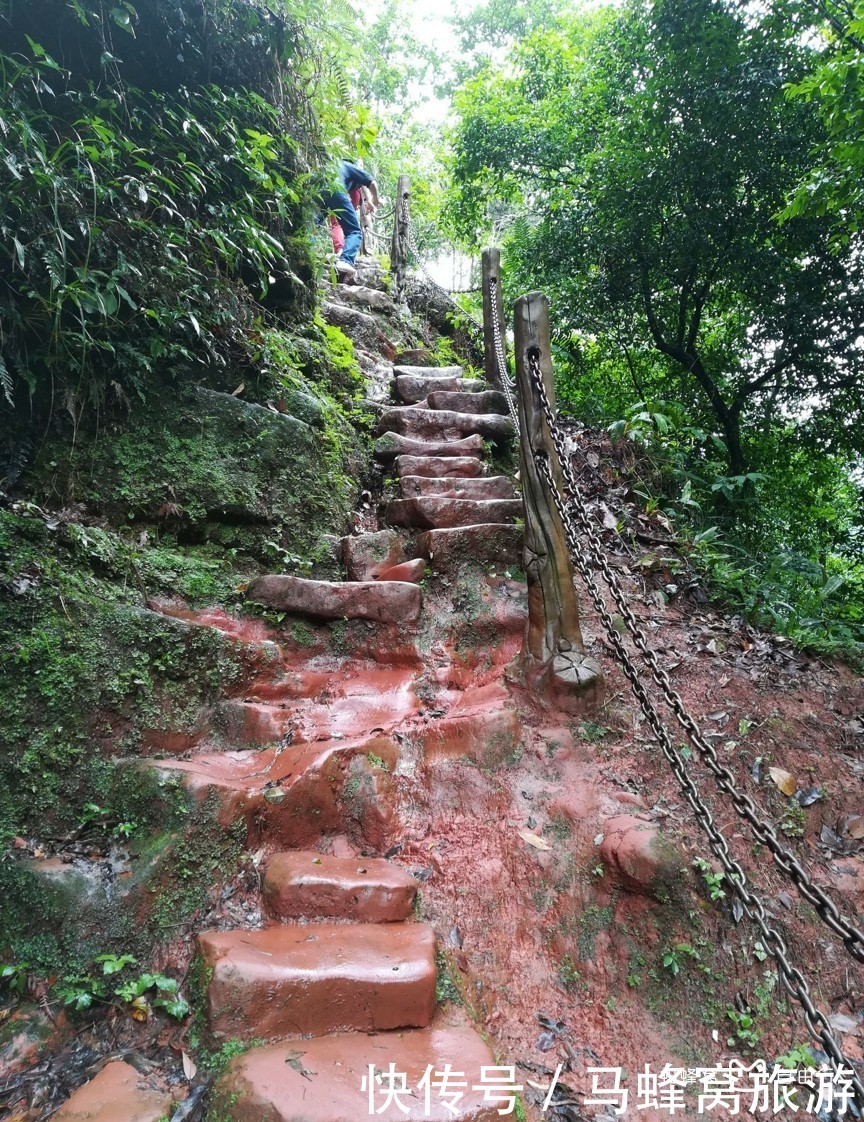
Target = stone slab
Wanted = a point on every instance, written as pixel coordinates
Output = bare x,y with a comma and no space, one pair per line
410,389
429,424
438,467
321,1080
117,1094
437,512
366,556
309,885
320,978
401,370
390,602
451,549
488,401
393,444
491,487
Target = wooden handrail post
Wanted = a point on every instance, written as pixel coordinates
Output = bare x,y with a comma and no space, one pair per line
400,240
493,304
553,660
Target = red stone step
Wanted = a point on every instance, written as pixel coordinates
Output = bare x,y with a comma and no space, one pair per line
354,697
440,467
293,796
489,401
321,1080
492,487
393,602
319,978
436,512
451,549
408,570
402,371
118,1093
444,424
366,556
411,389
307,885
484,731
393,444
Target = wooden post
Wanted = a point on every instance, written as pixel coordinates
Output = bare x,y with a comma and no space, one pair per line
493,303
399,241
553,660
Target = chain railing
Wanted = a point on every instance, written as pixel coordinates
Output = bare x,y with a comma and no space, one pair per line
792,979
745,808
585,549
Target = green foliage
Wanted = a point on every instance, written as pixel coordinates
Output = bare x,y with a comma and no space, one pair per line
134,216
713,880
139,993
640,158
836,86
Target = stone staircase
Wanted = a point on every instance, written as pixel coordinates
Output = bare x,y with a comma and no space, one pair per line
314,757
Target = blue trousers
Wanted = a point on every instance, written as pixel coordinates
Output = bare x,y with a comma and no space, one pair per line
339,204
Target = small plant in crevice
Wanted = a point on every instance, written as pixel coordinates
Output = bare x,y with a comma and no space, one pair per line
713,880
104,984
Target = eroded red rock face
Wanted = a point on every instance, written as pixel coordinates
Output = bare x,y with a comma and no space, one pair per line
310,885
320,978
117,1094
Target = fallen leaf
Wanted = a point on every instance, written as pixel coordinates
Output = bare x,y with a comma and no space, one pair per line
534,840
855,828
737,911
808,796
239,389
787,782
189,1067
295,1060
785,899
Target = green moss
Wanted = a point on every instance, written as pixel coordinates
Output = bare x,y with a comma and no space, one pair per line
592,921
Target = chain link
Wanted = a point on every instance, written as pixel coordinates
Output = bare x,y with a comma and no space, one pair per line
474,326
745,808
507,383
791,978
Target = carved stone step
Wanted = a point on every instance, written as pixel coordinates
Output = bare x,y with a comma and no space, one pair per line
408,570
402,371
293,796
366,556
489,401
427,424
308,885
117,1094
392,602
439,467
411,389
436,512
319,978
492,487
321,1080
349,704
452,549
362,297
393,444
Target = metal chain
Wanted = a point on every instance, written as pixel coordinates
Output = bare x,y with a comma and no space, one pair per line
474,325
507,383
791,978
786,861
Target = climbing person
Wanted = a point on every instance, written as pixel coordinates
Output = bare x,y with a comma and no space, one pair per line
338,202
